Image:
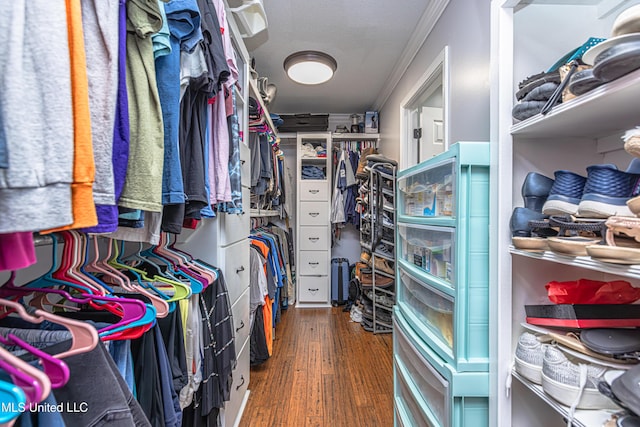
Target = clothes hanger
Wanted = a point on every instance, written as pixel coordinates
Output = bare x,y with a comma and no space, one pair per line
160,304
48,279
12,399
56,370
128,310
34,383
180,290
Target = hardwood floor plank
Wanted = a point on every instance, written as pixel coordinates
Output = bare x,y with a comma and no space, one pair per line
325,371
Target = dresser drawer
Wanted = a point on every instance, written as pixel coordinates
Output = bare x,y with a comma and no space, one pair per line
314,190
235,406
430,192
433,309
240,310
421,375
408,406
235,227
314,263
429,248
245,166
235,259
314,238
313,289
314,213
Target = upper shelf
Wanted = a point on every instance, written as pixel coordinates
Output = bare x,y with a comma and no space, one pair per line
256,94
603,111
354,136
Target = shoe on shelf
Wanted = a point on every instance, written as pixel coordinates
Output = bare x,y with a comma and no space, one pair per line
520,222
631,140
380,264
573,384
529,356
387,204
386,221
535,190
608,189
381,281
365,257
360,172
565,193
384,251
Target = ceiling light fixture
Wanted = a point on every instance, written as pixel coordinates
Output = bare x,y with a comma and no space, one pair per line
310,67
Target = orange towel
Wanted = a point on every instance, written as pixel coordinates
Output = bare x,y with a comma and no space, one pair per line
84,209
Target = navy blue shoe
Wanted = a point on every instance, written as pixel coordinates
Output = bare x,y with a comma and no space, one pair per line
565,194
519,223
535,190
608,189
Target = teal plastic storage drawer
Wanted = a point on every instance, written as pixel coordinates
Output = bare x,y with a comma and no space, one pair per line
430,249
429,193
429,391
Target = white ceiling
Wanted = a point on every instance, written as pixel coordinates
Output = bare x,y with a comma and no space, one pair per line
366,37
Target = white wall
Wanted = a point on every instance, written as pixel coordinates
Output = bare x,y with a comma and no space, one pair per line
465,27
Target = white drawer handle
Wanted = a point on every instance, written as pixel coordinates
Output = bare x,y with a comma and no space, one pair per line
314,214
314,191
239,270
314,263
241,383
241,326
314,239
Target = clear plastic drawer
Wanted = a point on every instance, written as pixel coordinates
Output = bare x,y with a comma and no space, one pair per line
433,388
430,249
409,406
430,192
432,308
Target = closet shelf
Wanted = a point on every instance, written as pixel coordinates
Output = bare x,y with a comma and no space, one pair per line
239,97
337,137
256,94
382,273
582,417
262,213
600,112
630,271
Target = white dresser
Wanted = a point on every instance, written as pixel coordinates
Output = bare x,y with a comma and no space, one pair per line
313,233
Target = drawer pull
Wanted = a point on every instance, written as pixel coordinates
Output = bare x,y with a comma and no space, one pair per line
241,383
314,191
241,326
239,270
314,263
313,289
314,214
314,239
242,162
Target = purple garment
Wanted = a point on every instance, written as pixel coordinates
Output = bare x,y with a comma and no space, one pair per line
17,251
108,214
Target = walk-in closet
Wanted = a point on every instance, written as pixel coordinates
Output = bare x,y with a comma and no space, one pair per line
257,213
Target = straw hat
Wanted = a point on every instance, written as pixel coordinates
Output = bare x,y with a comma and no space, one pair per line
626,28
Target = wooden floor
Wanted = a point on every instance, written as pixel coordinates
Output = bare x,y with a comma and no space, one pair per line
325,371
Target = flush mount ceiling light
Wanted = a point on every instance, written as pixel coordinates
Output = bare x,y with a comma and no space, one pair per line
310,67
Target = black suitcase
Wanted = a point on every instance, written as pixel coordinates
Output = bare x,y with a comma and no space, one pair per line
339,281
304,123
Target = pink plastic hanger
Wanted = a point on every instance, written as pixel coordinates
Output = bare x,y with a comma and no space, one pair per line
84,337
31,380
162,307
56,370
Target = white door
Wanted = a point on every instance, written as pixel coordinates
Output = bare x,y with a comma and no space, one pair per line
432,141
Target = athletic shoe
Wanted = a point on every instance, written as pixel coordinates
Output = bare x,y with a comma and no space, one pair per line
573,385
565,194
529,356
386,221
607,190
